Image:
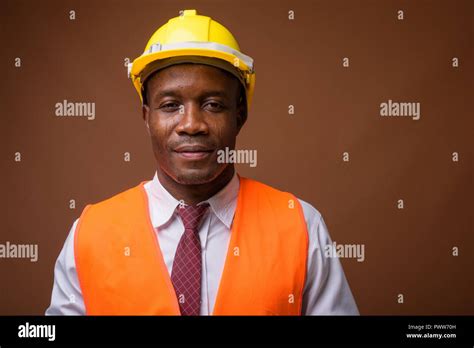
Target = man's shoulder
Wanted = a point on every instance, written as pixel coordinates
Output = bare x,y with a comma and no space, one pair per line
264,188
118,210
309,210
120,199
311,214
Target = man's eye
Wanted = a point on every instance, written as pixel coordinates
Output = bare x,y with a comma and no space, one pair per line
169,106
214,106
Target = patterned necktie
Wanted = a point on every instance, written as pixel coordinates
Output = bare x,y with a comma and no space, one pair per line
187,264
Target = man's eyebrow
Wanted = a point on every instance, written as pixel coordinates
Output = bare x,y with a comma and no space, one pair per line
216,93
168,92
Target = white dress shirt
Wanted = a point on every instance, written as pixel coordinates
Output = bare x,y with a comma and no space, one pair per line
326,290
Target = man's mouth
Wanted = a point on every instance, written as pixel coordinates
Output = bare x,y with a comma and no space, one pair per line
193,152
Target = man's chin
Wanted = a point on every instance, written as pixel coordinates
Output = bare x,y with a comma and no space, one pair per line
195,177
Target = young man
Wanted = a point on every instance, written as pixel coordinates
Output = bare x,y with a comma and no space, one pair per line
198,239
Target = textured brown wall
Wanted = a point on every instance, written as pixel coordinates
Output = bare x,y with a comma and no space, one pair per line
407,251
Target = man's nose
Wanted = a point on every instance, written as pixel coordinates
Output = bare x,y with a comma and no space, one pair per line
192,121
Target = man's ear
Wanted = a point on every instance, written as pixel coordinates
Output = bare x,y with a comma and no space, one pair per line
146,116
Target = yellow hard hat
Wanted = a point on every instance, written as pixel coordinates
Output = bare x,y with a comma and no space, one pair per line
195,39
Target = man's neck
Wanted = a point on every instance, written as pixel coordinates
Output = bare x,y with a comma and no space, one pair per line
193,194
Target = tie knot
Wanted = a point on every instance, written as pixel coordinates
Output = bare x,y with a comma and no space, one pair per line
192,215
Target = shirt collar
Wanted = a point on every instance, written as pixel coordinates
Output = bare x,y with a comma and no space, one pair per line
222,204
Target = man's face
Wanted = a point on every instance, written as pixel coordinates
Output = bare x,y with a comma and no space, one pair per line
192,112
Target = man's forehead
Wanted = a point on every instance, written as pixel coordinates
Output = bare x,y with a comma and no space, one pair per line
191,70
175,79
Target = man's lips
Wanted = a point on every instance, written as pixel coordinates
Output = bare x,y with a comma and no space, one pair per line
193,152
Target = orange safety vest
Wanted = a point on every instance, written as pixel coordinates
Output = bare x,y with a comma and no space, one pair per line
121,269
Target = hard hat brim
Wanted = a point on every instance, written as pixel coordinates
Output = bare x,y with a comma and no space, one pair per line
246,75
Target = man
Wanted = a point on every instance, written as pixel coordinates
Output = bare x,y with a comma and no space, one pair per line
197,239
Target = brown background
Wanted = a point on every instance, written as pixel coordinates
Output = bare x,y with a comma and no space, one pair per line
298,62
